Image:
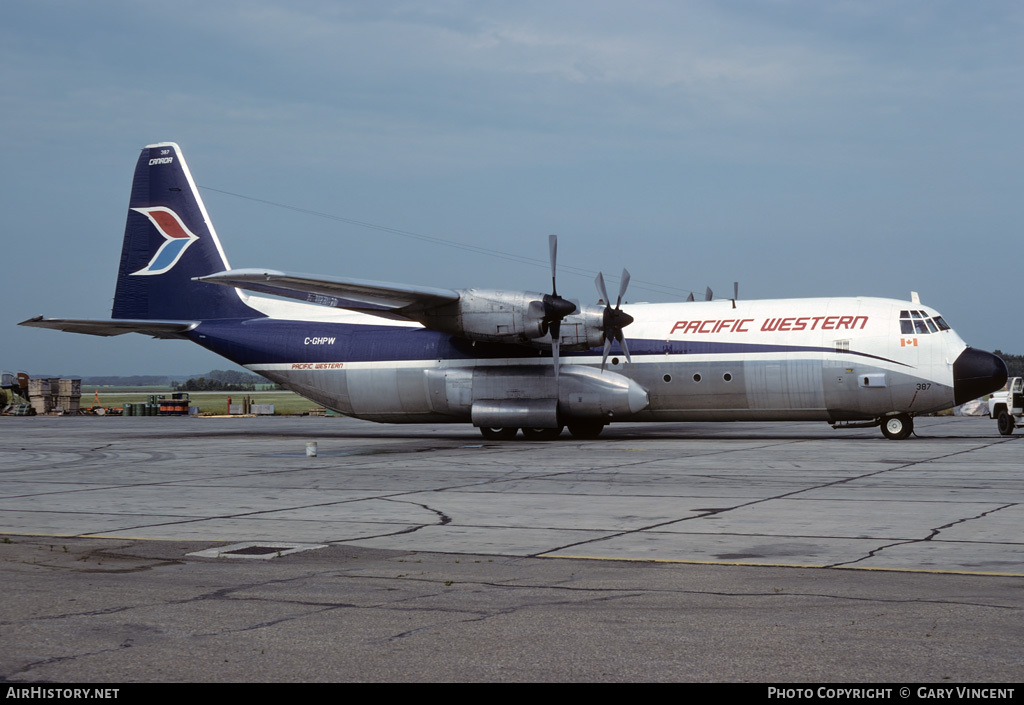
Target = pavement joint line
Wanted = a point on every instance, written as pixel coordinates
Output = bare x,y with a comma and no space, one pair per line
748,564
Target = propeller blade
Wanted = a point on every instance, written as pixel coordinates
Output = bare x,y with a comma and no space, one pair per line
708,294
600,288
624,282
735,290
608,347
690,297
556,341
625,349
553,249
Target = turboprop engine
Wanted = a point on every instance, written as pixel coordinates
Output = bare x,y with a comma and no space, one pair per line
520,317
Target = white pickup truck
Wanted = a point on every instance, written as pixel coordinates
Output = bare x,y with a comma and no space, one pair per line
1007,406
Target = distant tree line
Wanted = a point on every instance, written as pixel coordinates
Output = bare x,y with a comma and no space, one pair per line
1014,363
205,384
220,381
245,380
129,381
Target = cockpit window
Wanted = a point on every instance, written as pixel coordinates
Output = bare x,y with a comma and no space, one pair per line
918,322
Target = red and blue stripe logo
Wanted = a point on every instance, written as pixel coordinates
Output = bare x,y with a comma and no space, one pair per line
177,238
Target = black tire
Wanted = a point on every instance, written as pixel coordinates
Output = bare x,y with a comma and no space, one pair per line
542,434
499,434
1005,422
898,427
586,430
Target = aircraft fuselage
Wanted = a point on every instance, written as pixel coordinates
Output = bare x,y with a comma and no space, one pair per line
831,359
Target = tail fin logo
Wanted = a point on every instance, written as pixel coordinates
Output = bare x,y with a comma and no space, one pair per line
177,239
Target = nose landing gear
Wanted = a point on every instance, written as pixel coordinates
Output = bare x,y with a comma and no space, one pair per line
898,427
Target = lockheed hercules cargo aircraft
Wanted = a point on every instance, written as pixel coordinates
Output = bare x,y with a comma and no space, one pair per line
510,360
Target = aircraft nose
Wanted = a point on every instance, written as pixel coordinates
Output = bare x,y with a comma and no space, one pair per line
975,374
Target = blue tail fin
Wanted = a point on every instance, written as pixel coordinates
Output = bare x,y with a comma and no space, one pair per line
168,240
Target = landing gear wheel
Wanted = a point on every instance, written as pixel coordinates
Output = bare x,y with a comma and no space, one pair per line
586,430
499,434
1005,423
898,427
542,434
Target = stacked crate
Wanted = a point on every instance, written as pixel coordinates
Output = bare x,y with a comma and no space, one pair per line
51,395
39,395
69,395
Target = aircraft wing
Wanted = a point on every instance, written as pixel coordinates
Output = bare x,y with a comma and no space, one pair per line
377,298
114,326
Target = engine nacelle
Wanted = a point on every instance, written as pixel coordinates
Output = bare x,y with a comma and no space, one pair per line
499,316
489,315
582,330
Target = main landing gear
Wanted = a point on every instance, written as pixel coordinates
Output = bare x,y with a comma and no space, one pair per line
499,434
581,430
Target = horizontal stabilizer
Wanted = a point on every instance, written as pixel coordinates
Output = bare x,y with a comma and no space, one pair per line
377,298
114,326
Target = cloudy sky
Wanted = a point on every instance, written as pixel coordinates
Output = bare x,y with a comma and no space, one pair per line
802,148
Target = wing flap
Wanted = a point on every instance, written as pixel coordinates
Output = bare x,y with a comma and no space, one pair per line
114,326
377,298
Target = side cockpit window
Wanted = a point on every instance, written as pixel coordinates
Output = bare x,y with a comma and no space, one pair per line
919,323
906,326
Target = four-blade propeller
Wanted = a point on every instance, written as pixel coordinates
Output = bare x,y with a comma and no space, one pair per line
615,319
555,307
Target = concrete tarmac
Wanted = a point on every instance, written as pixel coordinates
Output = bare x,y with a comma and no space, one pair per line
214,549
